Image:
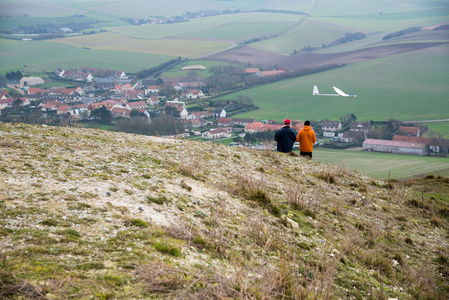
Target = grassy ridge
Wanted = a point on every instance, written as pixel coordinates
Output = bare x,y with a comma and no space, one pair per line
408,86
141,219
385,165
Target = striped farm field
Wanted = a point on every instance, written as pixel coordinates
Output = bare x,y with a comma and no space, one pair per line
168,47
384,165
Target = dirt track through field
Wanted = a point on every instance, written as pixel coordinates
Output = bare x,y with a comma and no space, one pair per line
255,57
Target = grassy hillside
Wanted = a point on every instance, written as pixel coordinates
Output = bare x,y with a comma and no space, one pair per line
408,86
147,217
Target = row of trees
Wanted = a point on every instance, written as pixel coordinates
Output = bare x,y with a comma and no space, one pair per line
14,75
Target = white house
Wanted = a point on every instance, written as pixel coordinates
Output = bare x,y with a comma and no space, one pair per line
327,125
194,94
216,133
219,113
153,100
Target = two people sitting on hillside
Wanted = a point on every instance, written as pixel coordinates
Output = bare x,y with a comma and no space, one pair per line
286,137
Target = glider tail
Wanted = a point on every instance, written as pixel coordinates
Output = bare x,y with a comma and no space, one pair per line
315,90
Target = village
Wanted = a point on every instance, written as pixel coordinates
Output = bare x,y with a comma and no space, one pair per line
95,93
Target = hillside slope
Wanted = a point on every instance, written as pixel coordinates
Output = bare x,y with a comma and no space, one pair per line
90,214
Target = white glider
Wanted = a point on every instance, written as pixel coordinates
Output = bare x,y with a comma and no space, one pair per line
337,90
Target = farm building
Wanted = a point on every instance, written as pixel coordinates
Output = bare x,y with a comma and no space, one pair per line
388,146
435,144
193,68
31,81
409,131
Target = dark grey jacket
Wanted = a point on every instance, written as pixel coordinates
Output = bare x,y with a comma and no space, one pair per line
285,137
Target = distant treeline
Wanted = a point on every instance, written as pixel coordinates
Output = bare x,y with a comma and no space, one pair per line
51,28
402,32
252,81
349,37
283,11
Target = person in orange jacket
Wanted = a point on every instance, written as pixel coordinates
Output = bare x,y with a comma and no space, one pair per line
306,138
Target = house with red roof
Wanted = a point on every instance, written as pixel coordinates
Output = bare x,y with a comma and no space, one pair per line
152,89
251,70
153,100
4,94
97,105
122,88
270,73
261,127
179,106
64,109
195,123
136,105
408,130
25,101
51,106
35,91
7,102
121,112
192,94
224,122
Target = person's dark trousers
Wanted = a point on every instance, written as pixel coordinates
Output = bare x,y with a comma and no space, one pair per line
306,154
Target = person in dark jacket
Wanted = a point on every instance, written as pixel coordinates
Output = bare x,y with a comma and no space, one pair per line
285,137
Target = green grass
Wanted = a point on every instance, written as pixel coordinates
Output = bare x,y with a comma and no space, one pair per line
176,71
384,165
408,86
41,56
384,9
236,27
441,127
304,34
169,47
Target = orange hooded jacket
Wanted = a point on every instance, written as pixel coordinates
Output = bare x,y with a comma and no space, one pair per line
306,138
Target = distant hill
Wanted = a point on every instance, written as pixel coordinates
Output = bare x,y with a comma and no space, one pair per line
87,213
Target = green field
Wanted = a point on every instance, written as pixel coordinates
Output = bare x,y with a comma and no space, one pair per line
440,127
384,165
41,56
235,27
169,47
408,86
177,72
